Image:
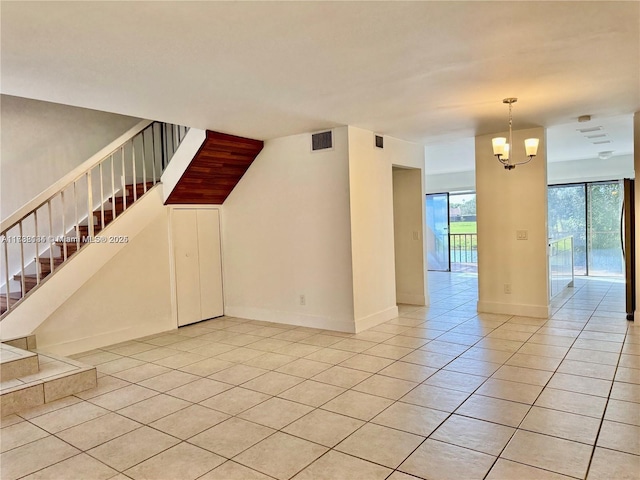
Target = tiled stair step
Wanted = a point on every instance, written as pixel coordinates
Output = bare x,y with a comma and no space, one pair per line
16,362
57,378
25,342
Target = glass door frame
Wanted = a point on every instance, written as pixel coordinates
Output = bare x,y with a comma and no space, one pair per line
448,269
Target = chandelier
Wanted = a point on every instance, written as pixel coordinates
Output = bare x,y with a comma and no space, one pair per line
502,149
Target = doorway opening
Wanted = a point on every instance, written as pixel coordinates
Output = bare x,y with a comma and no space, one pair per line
452,238
408,229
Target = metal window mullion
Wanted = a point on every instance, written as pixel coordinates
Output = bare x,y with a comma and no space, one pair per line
448,230
586,226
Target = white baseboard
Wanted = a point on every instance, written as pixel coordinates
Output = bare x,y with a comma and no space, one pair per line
102,339
410,299
376,318
536,311
291,318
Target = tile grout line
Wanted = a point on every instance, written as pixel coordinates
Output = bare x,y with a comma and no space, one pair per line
604,413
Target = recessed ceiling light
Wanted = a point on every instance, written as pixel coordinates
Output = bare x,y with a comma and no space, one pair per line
597,135
588,130
584,118
601,142
606,155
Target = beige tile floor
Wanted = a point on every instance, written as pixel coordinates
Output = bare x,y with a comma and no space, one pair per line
438,393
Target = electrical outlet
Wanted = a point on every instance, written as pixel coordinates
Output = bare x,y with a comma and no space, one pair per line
303,300
416,235
522,235
507,288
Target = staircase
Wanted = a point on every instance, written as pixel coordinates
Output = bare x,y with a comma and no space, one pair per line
37,241
29,378
44,263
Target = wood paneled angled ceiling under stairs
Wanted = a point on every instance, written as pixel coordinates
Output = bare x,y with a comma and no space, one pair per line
215,170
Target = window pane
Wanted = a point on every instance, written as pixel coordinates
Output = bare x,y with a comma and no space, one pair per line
437,209
567,216
605,208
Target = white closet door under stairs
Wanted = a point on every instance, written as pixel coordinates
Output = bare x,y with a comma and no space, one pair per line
198,264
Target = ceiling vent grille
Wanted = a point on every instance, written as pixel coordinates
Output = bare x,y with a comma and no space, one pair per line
589,130
322,141
379,141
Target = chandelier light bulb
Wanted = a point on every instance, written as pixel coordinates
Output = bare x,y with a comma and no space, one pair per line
498,145
531,146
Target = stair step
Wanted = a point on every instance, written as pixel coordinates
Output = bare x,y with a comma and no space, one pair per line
30,280
58,377
45,264
16,362
108,215
84,230
129,189
14,297
46,261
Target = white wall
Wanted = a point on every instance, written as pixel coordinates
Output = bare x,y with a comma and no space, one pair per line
508,201
372,231
129,297
286,233
408,223
590,170
450,182
43,141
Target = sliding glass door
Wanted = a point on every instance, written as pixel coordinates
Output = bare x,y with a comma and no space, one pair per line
591,214
437,209
605,228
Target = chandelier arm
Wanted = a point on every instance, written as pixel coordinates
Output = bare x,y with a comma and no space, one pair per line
523,163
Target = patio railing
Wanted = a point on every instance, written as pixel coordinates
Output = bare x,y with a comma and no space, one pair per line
561,274
463,249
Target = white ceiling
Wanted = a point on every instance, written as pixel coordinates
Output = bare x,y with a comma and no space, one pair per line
430,72
564,143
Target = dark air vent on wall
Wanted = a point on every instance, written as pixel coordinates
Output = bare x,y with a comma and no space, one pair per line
321,141
379,141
